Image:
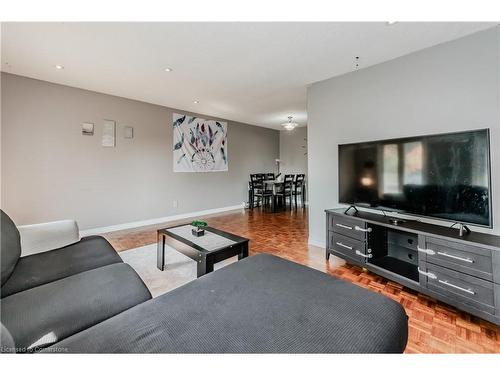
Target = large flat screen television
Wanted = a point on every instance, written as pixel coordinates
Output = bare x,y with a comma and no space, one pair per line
443,176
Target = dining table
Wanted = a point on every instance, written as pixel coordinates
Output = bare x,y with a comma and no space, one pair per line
274,184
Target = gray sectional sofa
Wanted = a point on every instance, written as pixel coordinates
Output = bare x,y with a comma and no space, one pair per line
261,304
48,296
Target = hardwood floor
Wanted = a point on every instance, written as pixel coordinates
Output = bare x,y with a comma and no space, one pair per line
434,327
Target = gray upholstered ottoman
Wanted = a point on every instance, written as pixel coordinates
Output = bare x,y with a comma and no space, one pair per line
262,304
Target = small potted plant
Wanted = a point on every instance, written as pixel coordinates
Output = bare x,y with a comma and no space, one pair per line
199,228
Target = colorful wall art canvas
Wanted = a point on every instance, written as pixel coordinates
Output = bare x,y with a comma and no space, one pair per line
199,145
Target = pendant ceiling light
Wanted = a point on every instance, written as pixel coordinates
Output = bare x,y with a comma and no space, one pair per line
290,125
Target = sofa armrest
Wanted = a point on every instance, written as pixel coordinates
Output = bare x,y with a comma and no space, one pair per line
38,238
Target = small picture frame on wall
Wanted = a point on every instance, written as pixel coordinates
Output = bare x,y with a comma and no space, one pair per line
128,132
109,133
87,128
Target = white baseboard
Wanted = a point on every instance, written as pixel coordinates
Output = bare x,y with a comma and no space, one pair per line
142,223
314,242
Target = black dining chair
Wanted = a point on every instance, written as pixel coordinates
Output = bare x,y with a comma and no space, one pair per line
286,189
260,193
270,176
299,189
251,192
254,177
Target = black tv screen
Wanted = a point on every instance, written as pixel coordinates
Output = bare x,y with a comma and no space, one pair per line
444,176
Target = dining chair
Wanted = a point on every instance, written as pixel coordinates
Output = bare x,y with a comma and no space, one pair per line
259,192
254,177
270,176
286,189
251,191
299,189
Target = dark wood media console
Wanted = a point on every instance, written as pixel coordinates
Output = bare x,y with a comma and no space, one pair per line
463,271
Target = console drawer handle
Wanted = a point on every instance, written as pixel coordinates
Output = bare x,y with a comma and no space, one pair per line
426,251
362,229
341,244
428,274
363,255
457,287
344,226
468,260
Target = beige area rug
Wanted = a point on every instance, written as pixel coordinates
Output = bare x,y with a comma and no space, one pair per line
179,269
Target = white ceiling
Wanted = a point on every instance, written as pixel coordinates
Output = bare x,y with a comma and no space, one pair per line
255,73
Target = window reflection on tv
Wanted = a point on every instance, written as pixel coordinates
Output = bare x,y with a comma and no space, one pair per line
444,176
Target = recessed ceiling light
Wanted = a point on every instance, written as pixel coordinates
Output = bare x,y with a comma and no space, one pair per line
196,102
59,67
168,69
390,23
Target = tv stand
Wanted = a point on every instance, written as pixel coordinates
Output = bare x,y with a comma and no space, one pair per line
396,221
460,268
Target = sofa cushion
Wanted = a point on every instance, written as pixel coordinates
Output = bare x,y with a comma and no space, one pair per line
38,269
261,304
10,246
46,314
6,341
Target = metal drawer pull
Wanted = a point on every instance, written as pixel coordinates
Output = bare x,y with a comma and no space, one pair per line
457,287
341,244
426,251
363,255
362,229
344,226
468,260
428,274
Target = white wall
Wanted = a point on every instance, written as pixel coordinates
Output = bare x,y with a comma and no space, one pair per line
292,151
50,171
450,87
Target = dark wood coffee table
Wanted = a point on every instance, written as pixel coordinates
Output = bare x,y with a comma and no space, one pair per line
215,246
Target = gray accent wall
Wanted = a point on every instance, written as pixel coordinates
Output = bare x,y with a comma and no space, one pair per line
292,152
450,87
50,171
